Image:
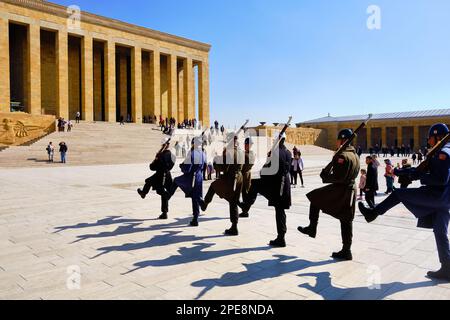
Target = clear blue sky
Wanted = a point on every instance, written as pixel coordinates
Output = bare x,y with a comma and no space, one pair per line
307,58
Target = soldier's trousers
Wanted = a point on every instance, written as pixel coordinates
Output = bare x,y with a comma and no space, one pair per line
280,216
440,226
195,200
346,227
164,198
234,211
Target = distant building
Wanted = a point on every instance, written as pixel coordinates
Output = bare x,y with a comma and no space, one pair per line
385,129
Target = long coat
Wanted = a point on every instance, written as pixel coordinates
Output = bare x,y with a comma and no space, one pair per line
162,179
229,184
372,178
338,199
191,182
276,186
433,198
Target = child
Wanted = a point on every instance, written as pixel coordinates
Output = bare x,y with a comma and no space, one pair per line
362,183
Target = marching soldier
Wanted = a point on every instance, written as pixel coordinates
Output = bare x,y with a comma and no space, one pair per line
429,203
247,173
191,182
275,187
161,181
337,199
229,184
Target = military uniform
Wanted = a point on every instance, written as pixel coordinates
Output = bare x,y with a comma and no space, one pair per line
430,204
229,184
338,198
247,176
161,181
191,182
276,188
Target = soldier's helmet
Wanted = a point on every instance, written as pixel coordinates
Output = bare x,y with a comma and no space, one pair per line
439,130
345,134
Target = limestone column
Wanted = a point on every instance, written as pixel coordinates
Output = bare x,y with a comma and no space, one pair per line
181,116
203,93
188,96
172,79
400,136
384,136
110,83
369,137
62,62
136,84
155,83
5,99
416,137
87,68
34,63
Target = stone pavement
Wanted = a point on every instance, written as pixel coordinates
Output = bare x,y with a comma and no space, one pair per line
58,221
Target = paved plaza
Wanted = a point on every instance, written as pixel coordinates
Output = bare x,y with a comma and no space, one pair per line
58,222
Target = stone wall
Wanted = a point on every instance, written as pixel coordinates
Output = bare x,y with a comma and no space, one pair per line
297,136
18,128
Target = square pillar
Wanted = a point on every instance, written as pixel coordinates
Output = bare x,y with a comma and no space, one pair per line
369,137
416,138
399,136
136,84
62,63
203,93
87,68
172,79
189,94
34,63
5,99
384,137
155,82
110,82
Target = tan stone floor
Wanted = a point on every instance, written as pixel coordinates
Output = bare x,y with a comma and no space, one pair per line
90,217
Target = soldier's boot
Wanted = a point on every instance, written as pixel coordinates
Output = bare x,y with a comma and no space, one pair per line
344,254
310,230
141,193
194,222
163,216
244,215
203,205
233,231
442,274
279,242
207,200
369,213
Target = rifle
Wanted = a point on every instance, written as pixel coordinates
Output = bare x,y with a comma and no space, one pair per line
423,167
347,143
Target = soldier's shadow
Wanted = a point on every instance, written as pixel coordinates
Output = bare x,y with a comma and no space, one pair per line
110,220
130,228
266,269
324,287
196,253
168,238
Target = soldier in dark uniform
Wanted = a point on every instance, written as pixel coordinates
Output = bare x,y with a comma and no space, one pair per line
229,184
161,181
247,173
429,203
191,182
338,198
275,186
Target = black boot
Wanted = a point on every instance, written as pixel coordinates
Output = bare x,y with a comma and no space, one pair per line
141,193
163,216
244,215
310,230
233,231
203,205
442,274
368,213
344,254
279,242
194,222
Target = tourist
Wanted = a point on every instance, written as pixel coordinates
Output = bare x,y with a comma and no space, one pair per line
419,157
69,126
63,150
297,169
78,117
389,175
183,150
122,123
362,183
414,158
210,170
177,149
371,185
222,129
50,151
